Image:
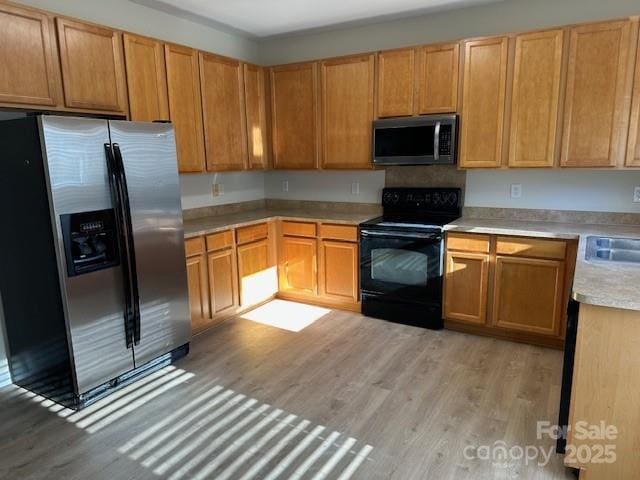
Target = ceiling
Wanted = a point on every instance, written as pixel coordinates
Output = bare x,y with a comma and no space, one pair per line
267,18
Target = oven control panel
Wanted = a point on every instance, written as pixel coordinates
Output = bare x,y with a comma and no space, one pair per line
436,200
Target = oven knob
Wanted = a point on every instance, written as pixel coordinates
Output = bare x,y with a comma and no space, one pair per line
395,198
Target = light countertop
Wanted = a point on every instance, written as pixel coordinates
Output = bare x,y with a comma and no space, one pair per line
596,282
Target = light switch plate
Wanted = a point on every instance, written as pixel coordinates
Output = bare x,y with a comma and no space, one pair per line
285,185
636,195
516,190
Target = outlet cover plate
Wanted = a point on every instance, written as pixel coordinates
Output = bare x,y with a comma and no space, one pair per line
516,190
636,195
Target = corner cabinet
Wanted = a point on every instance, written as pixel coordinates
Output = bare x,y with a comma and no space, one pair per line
295,116
596,109
483,102
29,58
185,106
347,92
146,78
533,140
256,117
223,108
93,72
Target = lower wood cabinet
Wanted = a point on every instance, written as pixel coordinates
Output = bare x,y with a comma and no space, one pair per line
257,275
299,268
319,263
339,267
223,281
466,286
197,283
510,287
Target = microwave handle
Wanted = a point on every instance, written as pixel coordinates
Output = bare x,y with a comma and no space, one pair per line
436,142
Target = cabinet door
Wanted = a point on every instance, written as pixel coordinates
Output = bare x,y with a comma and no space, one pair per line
465,287
198,292
339,265
299,265
92,67
396,76
528,295
223,281
295,116
483,102
535,99
185,107
146,78
347,111
596,110
633,148
437,83
223,111
258,278
255,103
29,58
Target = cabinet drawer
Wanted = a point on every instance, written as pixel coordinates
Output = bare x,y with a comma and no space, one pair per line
468,242
299,229
252,233
219,241
348,233
530,247
194,246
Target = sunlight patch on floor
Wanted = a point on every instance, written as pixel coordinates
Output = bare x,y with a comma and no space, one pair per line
291,316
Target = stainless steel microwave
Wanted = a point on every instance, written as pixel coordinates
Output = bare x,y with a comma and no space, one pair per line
424,140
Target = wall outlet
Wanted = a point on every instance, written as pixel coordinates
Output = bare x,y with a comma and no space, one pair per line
285,185
636,195
217,189
516,190
355,188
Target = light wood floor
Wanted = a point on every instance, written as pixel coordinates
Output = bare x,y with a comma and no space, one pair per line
347,397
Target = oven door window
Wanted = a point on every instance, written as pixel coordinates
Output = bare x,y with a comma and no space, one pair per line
402,267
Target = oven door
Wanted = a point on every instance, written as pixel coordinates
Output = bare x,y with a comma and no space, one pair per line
402,265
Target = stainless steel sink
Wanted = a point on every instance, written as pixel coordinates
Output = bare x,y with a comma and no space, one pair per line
613,249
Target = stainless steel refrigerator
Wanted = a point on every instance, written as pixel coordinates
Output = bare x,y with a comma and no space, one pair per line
92,270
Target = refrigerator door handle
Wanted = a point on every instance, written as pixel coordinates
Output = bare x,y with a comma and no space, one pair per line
116,195
131,252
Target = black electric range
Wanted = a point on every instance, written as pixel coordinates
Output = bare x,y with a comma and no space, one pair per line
402,255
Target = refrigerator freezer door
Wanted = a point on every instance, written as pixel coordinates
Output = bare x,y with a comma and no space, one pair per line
76,169
149,157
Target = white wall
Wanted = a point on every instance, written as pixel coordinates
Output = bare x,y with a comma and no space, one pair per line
586,190
135,18
325,186
500,17
196,189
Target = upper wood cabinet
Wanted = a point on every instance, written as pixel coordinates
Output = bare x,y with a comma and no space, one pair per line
256,121
633,148
535,99
92,67
224,113
396,77
483,102
29,58
295,115
185,106
437,79
596,110
347,111
146,78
